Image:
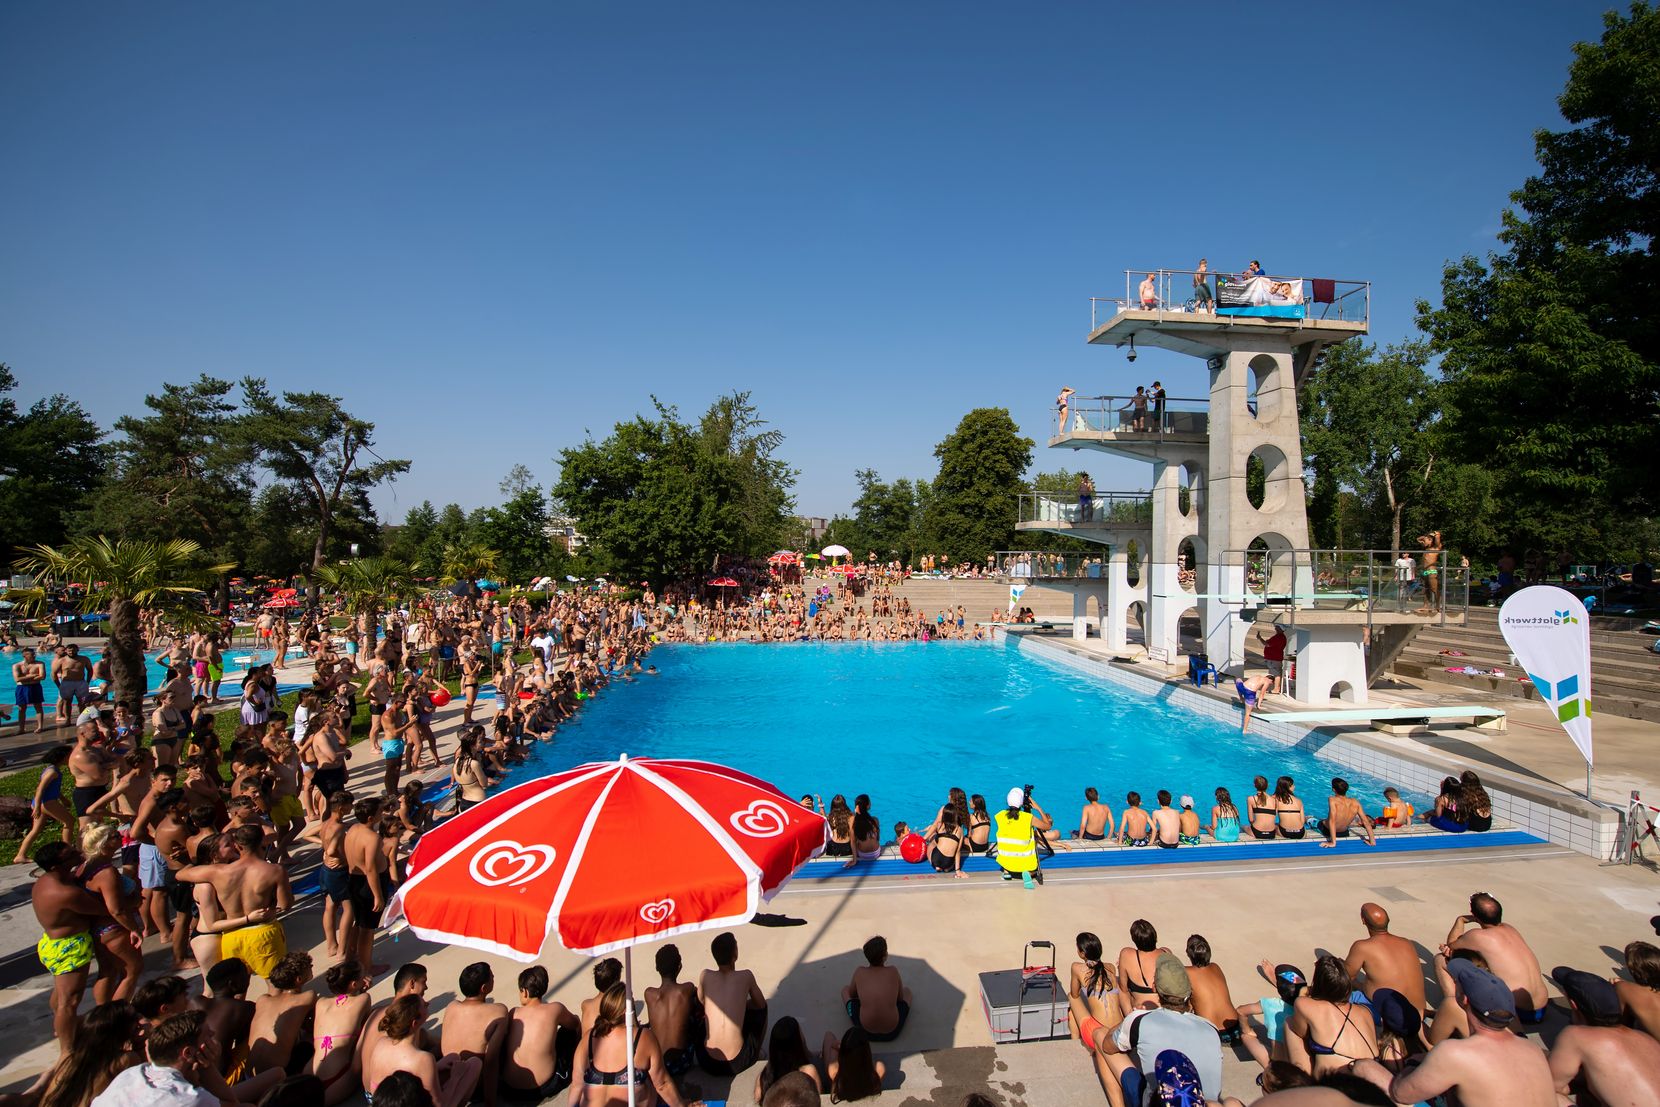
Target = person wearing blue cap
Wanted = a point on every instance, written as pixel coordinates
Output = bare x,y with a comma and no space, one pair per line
1615,1064
1493,1067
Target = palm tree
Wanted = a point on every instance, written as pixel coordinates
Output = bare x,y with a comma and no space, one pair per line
468,561
367,584
121,578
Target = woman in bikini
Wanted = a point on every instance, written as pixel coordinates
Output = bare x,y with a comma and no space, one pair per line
122,936
1093,994
1289,809
1447,815
335,1029
1135,967
979,825
841,828
956,800
1261,809
606,1063
945,848
471,666
1336,1030
867,832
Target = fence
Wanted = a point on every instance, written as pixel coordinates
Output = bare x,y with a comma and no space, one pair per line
1187,291
1106,508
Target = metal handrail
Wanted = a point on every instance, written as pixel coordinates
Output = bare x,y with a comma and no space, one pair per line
1183,415
1174,293
1049,565
1106,508
1372,581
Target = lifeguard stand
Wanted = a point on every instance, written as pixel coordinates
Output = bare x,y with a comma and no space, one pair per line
1206,544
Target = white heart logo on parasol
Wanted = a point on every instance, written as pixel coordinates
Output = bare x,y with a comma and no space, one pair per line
658,913
761,819
507,862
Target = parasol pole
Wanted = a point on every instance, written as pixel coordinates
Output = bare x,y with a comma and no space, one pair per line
628,1017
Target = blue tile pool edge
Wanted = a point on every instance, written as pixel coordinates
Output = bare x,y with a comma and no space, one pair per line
1149,856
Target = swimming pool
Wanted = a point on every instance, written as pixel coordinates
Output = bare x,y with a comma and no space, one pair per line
904,722
8,686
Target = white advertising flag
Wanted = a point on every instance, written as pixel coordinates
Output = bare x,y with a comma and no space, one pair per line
1550,634
1015,591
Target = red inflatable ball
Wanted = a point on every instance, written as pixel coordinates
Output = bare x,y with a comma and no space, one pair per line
912,848
440,696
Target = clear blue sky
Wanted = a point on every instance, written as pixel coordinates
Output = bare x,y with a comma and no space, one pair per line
493,227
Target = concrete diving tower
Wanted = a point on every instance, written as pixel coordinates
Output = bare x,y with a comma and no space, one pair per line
1113,520
1209,543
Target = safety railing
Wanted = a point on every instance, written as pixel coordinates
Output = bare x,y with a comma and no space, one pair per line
1139,414
1020,565
1237,295
1103,508
1432,584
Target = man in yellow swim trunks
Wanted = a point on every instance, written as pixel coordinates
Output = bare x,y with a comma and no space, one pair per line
254,892
68,915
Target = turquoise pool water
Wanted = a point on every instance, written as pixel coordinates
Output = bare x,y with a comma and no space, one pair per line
8,686
904,722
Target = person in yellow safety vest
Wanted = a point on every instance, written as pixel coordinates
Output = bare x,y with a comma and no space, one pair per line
1017,829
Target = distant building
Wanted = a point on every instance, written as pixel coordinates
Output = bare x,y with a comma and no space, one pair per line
814,526
562,529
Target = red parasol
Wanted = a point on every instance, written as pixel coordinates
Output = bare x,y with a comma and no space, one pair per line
604,856
724,582
565,855
844,570
784,557
283,602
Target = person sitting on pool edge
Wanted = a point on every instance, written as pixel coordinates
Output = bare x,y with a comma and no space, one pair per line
877,1001
1251,690
1136,826
1342,813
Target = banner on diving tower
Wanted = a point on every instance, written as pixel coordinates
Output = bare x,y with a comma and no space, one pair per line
1015,592
1550,634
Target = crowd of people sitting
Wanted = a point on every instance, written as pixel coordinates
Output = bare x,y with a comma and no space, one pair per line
964,825
1361,1029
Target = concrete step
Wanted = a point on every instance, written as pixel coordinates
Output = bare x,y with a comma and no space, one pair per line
1609,698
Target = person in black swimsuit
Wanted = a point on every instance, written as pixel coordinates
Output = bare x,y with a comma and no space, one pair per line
1135,977
1262,805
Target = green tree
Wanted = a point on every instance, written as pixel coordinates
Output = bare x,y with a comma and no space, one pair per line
973,502
1369,423
407,542
518,529
660,499
468,562
180,472
319,450
884,519
50,460
1550,351
121,577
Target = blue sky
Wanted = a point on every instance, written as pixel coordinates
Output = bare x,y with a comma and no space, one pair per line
491,228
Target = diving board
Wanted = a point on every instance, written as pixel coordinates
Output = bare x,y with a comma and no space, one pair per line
1487,718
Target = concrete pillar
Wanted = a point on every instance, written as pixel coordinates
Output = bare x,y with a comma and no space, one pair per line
1115,605
1329,655
1080,614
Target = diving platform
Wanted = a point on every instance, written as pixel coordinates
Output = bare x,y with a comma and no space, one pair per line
1396,718
1112,518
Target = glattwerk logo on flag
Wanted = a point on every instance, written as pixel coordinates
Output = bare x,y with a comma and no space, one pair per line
1547,630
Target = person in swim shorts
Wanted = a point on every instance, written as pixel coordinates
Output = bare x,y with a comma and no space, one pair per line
1251,690
253,892
68,915
73,676
27,674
